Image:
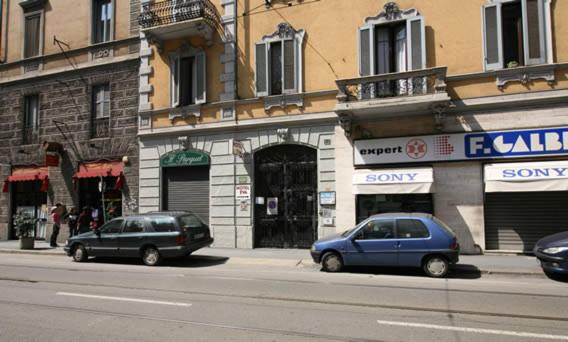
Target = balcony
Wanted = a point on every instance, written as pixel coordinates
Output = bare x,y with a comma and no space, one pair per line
172,19
393,94
100,128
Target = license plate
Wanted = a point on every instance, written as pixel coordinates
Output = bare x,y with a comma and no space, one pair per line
199,236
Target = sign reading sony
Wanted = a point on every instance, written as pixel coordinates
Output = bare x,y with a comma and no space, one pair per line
400,176
462,146
522,172
184,158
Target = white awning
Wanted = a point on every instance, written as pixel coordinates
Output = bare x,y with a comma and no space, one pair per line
522,177
393,181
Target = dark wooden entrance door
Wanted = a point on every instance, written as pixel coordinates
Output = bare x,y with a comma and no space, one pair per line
285,197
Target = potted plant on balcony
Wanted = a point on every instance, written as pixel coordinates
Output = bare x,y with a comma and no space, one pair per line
25,228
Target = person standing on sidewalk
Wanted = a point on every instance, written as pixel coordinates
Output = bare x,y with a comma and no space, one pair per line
72,222
85,220
56,213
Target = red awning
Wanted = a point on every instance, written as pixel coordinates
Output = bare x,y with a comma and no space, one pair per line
28,173
100,169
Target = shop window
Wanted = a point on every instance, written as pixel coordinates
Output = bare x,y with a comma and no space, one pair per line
368,205
32,34
102,21
411,229
109,200
515,33
188,77
278,62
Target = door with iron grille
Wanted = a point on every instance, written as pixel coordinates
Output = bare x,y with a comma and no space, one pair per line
285,197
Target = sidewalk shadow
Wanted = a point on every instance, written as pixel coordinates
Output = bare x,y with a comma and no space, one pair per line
461,272
192,261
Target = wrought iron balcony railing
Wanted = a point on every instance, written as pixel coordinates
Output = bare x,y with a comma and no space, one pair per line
408,83
100,128
175,11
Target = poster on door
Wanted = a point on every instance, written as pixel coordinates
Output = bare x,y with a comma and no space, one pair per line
272,206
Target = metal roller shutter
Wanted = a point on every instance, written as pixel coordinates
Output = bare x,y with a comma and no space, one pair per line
187,188
517,220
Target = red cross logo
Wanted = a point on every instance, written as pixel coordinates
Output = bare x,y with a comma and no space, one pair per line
416,148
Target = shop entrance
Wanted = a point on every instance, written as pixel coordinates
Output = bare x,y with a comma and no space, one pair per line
368,205
28,198
285,197
100,194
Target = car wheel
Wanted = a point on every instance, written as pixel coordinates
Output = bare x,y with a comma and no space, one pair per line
436,266
151,256
332,262
80,254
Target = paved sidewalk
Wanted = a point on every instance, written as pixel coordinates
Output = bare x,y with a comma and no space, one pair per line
486,264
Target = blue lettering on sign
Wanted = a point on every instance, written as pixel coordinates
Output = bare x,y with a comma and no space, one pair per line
390,177
518,143
535,172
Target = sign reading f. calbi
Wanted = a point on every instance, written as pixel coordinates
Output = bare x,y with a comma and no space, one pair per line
463,146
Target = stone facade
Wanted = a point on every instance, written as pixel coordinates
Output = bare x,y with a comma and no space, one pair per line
66,99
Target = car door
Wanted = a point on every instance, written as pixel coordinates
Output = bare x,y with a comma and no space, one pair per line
106,243
374,244
132,237
412,237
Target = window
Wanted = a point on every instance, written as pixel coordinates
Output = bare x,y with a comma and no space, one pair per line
31,112
411,229
377,230
190,221
163,224
32,34
113,227
278,62
102,21
188,73
392,43
134,226
515,33
101,101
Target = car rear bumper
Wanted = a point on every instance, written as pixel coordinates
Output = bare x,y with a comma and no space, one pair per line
179,251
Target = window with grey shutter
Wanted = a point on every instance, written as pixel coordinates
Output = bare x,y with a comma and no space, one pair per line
261,67
174,84
289,66
535,32
416,43
188,84
32,35
492,29
364,51
200,85
102,21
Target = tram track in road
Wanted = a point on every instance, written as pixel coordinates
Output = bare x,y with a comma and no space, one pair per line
332,303
243,328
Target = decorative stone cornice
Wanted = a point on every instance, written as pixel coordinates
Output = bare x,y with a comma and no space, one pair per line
283,31
391,12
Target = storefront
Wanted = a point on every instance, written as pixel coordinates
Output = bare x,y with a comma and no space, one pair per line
524,202
28,186
380,191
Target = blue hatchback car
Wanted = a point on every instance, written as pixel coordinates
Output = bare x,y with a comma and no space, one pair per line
395,239
552,251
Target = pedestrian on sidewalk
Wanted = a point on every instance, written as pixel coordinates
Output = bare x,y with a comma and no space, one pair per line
56,214
72,221
84,220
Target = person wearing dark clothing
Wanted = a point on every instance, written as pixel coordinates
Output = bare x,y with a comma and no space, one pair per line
56,214
72,221
84,220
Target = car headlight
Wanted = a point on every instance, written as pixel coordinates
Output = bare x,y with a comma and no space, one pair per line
313,249
555,250
66,242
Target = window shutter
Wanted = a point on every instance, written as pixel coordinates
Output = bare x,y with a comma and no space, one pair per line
534,33
492,47
200,72
261,70
174,86
416,43
365,51
289,66
106,101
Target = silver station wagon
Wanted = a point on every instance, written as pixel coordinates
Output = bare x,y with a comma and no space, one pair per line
152,237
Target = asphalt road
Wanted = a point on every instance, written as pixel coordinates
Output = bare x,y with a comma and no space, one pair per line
50,298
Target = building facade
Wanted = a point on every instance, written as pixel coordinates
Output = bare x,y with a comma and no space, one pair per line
280,122
68,109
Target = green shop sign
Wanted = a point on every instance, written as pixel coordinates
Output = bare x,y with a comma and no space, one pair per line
184,158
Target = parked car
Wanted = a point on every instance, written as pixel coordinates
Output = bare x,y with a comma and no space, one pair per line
396,239
552,251
152,237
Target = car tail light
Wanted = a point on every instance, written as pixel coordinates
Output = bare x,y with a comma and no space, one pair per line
181,239
454,244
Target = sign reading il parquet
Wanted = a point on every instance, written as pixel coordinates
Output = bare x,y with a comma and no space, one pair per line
184,158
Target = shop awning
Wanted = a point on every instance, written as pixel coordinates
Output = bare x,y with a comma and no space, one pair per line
28,173
394,181
100,169
525,177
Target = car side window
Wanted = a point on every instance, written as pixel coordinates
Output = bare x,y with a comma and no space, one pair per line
134,226
163,224
378,230
411,229
112,227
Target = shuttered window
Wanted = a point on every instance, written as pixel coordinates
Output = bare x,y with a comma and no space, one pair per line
31,111
101,101
32,35
102,21
515,33
261,77
188,79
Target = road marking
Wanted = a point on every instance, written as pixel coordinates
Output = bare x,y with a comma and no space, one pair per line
475,330
123,299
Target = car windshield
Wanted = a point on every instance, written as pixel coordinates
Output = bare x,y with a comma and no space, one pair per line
348,231
444,226
190,221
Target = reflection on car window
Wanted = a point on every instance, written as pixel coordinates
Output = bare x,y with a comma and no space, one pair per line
113,227
190,221
163,224
378,230
134,226
411,229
